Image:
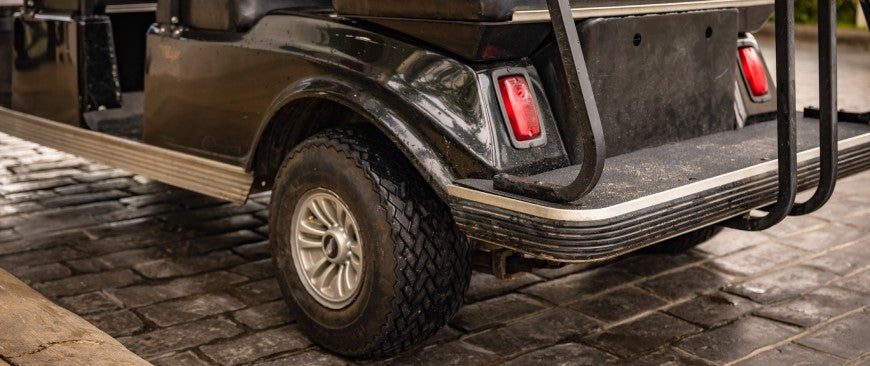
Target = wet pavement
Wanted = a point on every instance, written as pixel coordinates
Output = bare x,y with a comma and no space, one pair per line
183,279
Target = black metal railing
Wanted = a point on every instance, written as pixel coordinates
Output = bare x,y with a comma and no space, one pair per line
581,120
865,5
786,127
828,117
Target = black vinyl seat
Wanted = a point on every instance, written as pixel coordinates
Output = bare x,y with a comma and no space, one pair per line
470,10
86,7
237,15
465,10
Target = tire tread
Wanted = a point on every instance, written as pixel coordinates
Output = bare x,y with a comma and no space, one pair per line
433,261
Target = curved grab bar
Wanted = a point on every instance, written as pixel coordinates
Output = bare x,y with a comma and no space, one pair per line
582,119
827,110
786,129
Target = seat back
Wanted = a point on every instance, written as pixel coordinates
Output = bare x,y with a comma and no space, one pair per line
79,7
234,15
468,10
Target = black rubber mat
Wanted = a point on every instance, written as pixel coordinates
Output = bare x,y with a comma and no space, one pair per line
653,170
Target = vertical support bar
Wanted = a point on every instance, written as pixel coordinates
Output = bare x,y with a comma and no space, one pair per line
168,12
865,5
827,109
582,119
785,126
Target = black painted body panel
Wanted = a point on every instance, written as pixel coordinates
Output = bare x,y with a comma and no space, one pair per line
45,78
657,78
212,94
64,66
6,21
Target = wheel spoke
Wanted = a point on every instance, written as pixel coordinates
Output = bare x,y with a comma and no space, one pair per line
355,249
307,243
349,276
339,280
327,210
341,216
327,280
312,228
316,270
312,259
318,213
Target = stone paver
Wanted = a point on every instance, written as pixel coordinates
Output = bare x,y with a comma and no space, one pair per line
712,310
180,337
642,335
685,283
580,284
189,309
781,285
530,333
264,316
859,282
619,304
735,340
306,358
184,279
791,355
757,259
117,323
494,311
815,307
256,346
669,357
847,337
563,354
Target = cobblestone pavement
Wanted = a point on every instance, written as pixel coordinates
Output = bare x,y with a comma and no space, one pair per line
183,279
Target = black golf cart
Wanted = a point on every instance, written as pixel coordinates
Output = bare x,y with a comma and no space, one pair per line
407,142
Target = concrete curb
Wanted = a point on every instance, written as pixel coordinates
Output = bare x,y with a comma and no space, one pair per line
35,331
809,33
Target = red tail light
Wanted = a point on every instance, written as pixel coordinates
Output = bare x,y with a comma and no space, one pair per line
753,70
519,105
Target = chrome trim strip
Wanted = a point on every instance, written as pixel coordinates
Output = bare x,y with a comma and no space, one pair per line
131,8
191,172
527,16
52,17
641,203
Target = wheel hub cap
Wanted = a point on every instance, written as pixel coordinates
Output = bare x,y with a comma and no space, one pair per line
336,245
326,248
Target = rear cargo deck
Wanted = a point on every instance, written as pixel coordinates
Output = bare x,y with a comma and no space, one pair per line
652,194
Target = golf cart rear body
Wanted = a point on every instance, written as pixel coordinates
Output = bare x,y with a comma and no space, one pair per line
660,133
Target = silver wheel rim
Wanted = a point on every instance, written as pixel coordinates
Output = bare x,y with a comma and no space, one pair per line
326,247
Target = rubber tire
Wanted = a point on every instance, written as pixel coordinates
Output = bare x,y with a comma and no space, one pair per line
417,264
685,242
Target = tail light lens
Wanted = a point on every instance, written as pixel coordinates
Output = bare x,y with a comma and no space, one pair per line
753,70
520,108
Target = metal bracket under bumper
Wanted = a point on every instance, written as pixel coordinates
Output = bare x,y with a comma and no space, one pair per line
578,235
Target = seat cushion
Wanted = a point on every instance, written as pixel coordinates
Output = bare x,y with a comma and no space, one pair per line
473,10
467,10
86,7
237,15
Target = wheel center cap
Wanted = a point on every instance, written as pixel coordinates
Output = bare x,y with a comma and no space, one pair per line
336,245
